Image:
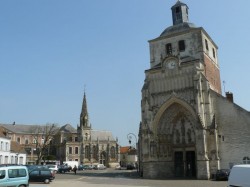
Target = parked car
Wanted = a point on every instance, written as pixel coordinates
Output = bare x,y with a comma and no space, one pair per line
53,168
222,174
31,167
118,167
239,176
131,166
99,166
41,175
15,176
64,169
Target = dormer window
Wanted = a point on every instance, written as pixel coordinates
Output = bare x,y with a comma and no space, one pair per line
169,48
181,45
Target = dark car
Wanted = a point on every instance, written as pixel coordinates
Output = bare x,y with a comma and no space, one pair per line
41,175
131,166
222,174
32,167
64,169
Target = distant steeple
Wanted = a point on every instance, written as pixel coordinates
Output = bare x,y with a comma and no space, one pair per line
84,117
179,13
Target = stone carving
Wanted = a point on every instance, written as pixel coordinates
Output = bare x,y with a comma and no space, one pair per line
189,136
177,133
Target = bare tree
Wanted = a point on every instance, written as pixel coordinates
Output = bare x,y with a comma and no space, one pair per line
42,136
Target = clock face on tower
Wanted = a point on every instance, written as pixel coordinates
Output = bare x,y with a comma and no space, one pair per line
171,63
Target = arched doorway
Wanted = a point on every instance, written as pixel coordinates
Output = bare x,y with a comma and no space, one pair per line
176,140
103,158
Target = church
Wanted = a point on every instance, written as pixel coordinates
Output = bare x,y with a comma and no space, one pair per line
86,145
188,128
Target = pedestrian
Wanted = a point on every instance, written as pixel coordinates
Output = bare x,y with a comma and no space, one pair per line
74,169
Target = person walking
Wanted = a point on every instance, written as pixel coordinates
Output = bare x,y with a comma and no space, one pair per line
74,169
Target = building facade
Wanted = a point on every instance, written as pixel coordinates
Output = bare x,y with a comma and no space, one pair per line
188,127
10,153
66,143
85,145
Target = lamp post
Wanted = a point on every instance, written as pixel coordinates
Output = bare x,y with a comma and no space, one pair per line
130,137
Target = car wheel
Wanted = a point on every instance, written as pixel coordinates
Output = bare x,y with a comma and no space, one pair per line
46,181
22,185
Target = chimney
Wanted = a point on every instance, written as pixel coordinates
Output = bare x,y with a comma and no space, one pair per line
229,96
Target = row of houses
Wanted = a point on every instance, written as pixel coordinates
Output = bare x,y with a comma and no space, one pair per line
23,144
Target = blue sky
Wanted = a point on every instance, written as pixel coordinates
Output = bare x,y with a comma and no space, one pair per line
51,49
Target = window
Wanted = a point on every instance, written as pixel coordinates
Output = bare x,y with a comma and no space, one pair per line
112,152
14,173
206,45
70,138
95,153
246,160
181,45
76,150
70,150
34,140
26,141
18,140
177,9
7,146
213,53
76,139
169,48
2,174
87,152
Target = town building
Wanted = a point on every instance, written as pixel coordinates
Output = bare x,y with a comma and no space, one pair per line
128,156
10,152
188,128
66,143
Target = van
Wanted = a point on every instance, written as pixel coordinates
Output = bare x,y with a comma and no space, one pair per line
16,176
239,176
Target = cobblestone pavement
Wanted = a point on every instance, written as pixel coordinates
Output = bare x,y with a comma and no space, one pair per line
109,178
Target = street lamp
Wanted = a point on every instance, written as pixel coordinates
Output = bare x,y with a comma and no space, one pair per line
130,136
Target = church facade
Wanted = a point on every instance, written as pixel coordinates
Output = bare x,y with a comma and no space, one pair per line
188,128
85,145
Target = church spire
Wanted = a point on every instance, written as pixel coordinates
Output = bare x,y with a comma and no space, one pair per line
179,13
84,117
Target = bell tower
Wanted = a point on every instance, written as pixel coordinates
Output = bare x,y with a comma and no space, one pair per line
84,130
179,13
176,101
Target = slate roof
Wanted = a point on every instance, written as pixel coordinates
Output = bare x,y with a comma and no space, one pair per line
21,129
177,28
179,3
68,129
101,135
27,129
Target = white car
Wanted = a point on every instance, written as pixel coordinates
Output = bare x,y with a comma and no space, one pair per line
53,168
99,166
